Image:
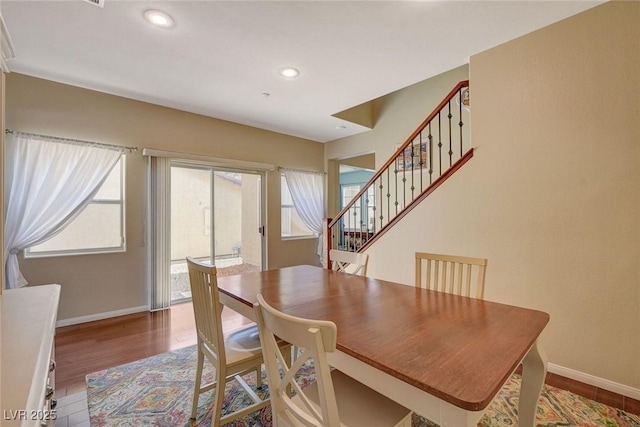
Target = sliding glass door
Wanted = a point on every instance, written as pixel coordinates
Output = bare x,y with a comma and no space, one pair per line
217,218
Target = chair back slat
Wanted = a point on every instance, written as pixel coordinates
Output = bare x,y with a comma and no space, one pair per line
349,262
452,274
207,307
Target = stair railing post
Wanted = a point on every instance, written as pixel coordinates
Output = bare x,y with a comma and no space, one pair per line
328,242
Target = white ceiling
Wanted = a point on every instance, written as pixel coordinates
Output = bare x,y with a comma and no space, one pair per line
222,55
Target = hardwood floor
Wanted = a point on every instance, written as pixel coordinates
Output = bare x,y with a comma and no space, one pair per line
89,347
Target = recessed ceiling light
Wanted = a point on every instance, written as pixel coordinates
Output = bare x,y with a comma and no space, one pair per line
158,18
265,94
341,127
289,72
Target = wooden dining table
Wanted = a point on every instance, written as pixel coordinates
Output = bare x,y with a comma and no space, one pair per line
443,356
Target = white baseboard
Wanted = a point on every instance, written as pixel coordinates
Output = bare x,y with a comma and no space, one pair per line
101,316
622,389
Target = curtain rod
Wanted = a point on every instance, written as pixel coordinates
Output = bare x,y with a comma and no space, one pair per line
280,168
210,160
78,141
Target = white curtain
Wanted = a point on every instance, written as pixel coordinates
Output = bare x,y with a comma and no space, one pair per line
50,182
307,192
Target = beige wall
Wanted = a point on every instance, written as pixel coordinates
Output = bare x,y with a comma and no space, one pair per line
2,127
551,195
557,113
366,161
94,284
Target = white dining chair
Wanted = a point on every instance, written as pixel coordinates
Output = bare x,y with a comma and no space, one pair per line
335,399
349,262
450,273
233,355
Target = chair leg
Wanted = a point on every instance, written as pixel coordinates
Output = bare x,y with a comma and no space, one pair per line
259,376
221,384
196,392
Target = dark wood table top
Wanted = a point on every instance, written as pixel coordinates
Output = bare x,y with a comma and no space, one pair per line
459,349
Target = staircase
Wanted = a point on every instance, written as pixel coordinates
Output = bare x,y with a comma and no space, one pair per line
432,153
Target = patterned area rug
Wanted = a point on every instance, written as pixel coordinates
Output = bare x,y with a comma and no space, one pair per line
157,391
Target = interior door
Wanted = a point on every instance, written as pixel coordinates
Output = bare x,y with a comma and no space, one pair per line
217,218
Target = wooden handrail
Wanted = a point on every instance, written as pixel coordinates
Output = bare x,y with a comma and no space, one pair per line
361,236
437,183
398,152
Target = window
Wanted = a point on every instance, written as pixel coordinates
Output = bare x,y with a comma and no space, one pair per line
291,224
99,228
357,218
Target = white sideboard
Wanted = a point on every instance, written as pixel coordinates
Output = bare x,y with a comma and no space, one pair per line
28,321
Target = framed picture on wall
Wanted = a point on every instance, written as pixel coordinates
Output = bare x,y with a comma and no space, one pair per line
413,158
